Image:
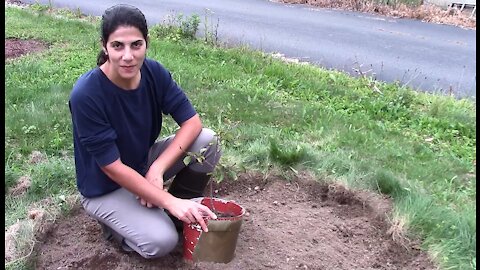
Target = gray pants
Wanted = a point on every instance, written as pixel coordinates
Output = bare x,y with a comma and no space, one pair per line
149,231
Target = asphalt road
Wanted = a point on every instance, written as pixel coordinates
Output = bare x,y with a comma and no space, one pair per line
425,56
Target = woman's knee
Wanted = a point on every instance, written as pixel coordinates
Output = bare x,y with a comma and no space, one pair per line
208,138
159,245
207,144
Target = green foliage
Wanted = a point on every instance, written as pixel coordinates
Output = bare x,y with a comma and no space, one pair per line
387,183
176,28
287,156
449,236
13,170
40,8
11,176
51,178
20,264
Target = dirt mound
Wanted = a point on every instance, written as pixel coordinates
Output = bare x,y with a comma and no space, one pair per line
301,224
17,47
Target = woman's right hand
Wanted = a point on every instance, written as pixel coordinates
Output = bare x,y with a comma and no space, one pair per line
190,212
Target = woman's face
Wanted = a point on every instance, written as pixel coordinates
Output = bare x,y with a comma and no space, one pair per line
126,50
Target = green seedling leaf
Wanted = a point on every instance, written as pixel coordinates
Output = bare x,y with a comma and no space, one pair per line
187,160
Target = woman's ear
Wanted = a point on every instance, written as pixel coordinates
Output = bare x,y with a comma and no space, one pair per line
102,45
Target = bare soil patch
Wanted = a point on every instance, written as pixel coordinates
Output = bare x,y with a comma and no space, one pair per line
297,224
17,47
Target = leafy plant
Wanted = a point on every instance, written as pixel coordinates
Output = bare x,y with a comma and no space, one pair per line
177,28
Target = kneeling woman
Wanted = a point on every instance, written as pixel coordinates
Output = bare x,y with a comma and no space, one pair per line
116,111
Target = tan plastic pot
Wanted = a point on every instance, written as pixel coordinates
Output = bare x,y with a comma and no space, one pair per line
218,245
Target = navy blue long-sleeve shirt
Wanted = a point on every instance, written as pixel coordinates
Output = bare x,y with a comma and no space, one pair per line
111,123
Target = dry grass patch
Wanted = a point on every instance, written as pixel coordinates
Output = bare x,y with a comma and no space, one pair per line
23,184
22,237
425,12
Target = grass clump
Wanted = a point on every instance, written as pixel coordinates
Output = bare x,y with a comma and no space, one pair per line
176,28
287,156
387,183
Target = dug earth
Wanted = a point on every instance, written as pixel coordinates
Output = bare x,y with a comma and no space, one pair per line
289,224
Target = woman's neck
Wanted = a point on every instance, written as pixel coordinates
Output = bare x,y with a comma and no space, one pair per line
125,84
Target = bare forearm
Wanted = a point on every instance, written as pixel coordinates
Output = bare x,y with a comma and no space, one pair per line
185,210
137,184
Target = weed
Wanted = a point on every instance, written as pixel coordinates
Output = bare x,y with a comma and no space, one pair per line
210,31
177,28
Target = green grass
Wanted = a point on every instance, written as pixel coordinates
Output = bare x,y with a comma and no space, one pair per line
272,116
